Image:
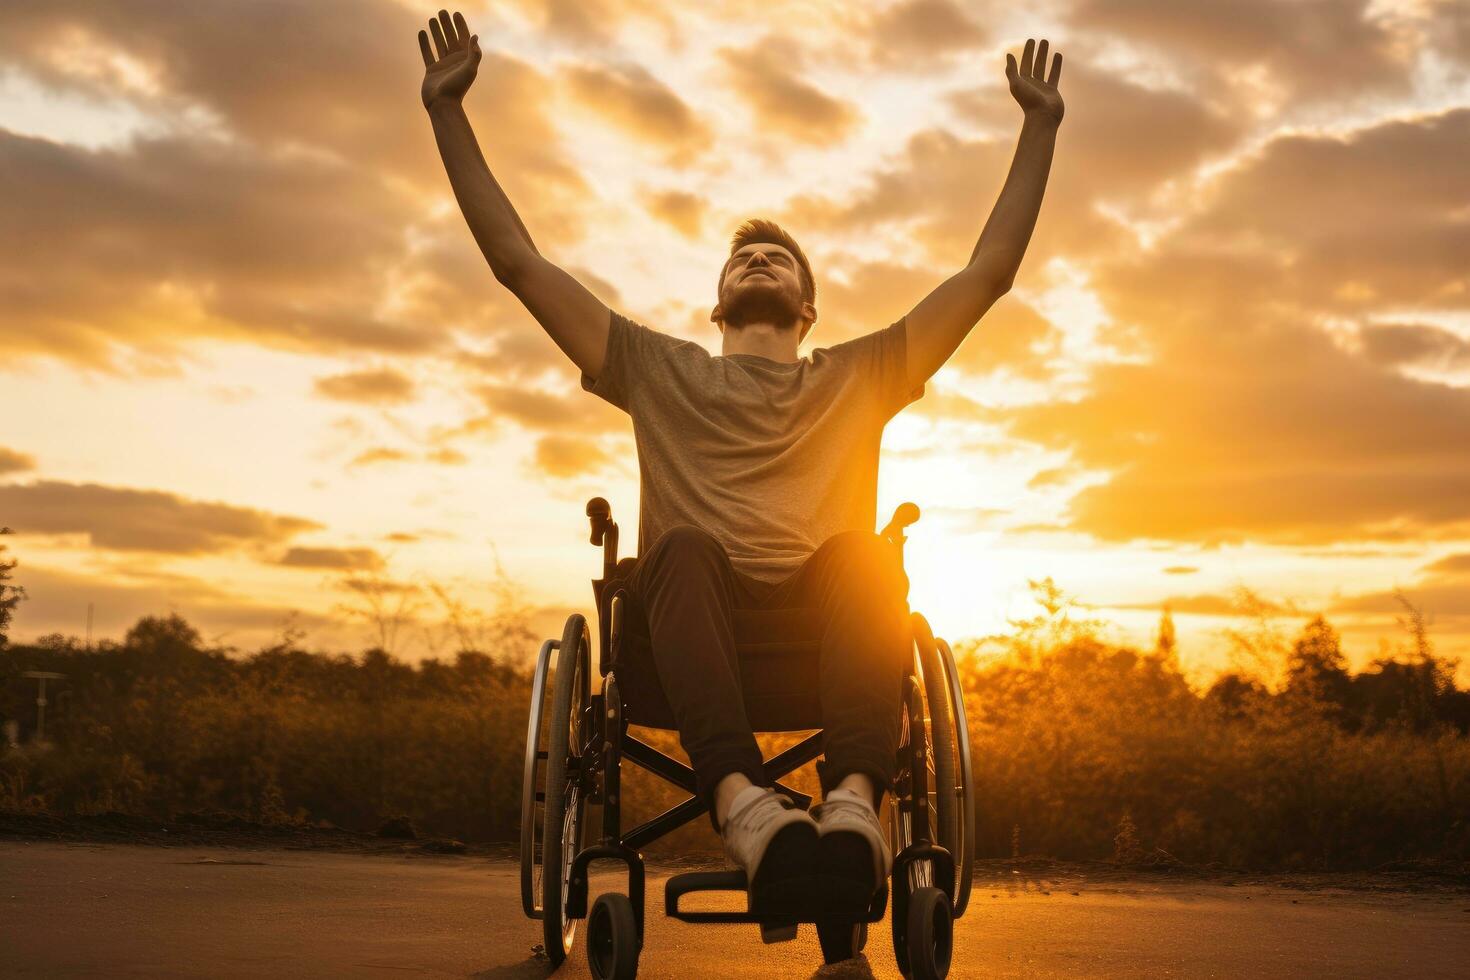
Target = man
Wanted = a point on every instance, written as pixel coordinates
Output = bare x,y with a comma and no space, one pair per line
759,480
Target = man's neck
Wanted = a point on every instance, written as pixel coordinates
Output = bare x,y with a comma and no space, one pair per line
762,339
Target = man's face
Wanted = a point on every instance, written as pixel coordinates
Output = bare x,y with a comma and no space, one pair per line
762,282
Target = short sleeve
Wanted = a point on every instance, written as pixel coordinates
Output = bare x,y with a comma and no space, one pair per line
630,347
881,360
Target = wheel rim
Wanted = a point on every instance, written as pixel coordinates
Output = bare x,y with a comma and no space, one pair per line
571,843
920,873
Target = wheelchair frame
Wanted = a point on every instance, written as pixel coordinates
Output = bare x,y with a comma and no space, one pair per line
588,739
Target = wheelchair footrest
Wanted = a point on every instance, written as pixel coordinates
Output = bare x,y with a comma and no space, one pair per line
713,881
734,881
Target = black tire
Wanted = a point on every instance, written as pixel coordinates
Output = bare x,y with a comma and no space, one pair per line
946,823
930,935
841,940
612,938
566,804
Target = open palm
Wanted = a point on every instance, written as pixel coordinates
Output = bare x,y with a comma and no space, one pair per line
1029,83
450,75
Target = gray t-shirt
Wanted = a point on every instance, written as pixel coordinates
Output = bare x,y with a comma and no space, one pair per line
772,458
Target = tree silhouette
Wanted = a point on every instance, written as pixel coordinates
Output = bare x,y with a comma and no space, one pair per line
1316,668
10,595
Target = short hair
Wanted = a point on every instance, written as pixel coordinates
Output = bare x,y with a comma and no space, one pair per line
759,230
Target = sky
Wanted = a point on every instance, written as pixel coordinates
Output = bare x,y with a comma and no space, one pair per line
252,354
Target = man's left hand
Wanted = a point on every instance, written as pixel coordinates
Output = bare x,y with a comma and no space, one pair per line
1033,90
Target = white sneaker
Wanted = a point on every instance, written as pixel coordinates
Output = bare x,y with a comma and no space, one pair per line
853,853
774,842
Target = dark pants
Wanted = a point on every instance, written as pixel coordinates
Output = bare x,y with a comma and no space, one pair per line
854,582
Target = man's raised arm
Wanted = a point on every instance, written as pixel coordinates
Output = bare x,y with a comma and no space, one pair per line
942,319
576,320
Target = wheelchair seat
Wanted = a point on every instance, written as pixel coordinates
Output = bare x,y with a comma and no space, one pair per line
779,655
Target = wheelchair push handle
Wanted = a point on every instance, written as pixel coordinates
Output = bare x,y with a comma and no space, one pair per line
599,512
905,514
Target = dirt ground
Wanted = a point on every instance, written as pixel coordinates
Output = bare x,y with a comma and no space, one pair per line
370,907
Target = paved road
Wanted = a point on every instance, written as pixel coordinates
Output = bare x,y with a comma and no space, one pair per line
90,910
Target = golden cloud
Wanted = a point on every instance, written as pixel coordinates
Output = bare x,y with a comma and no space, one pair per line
914,34
1247,420
337,559
58,601
1414,343
630,97
766,77
1312,51
680,210
141,520
380,386
560,455
14,461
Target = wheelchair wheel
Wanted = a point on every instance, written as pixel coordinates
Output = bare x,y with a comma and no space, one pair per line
565,793
930,935
612,938
949,826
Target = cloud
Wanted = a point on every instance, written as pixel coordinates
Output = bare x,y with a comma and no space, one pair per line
1443,589
340,76
58,601
1313,51
680,210
446,457
635,101
1202,604
1303,202
1181,570
1274,435
14,461
1398,344
1450,566
381,386
1241,418
141,520
539,410
933,197
332,558
765,76
270,198
918,33
380,454
171,239
1120,137
569,455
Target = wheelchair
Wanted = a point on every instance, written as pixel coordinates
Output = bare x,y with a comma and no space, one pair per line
577,740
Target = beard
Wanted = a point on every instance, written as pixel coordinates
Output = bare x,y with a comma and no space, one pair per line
760,302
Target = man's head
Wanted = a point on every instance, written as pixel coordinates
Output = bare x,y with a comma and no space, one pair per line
766,279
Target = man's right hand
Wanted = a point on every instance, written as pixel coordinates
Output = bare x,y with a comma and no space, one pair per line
449,77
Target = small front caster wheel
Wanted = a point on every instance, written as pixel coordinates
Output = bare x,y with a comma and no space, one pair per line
612,938
930,934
